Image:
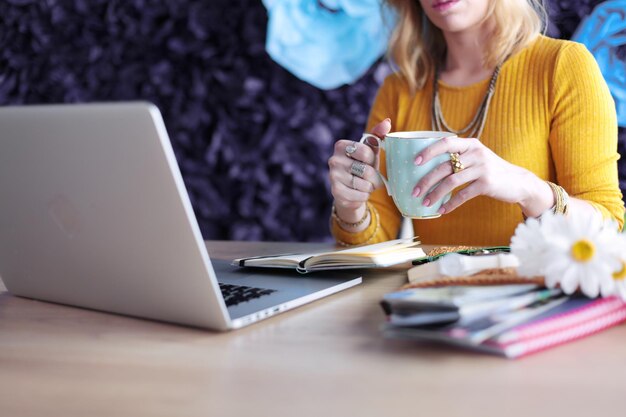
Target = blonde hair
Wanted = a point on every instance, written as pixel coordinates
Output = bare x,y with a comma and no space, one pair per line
417,46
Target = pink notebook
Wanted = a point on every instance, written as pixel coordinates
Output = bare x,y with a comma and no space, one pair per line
566,320
570,321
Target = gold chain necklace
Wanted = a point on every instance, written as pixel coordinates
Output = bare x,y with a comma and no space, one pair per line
475,128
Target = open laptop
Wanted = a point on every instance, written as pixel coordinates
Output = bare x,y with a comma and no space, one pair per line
94,213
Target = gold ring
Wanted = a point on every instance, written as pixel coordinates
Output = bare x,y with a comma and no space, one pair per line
354,183
457,166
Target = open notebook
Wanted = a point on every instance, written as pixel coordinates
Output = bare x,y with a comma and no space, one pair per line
377,255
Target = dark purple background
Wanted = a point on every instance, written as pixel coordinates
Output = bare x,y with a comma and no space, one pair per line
252,140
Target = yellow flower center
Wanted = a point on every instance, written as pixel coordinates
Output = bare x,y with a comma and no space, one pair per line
621,274
583,250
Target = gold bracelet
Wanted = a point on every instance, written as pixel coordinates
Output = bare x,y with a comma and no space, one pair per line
372,236
352,225
562,199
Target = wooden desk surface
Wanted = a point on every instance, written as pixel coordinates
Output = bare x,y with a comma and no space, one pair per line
323,359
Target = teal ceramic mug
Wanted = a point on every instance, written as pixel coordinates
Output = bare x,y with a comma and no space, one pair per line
401,148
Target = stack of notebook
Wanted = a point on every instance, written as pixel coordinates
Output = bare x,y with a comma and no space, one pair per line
508,320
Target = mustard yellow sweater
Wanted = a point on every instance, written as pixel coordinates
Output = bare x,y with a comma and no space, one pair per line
552,113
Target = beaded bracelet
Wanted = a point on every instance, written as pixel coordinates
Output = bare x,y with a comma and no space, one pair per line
368,208
374,214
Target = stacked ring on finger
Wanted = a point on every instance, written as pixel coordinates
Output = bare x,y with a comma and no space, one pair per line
350,149
357,169
354,182
457,165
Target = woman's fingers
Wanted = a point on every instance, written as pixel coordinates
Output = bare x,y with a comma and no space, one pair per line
467,193
361,184
449,145
349,190
450,183
343,190
341,166
365,152
351,181
355,151
443,170
353,175
382,128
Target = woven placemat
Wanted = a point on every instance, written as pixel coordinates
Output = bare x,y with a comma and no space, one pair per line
448,249
492,276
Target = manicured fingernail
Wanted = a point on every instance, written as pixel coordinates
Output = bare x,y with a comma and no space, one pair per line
426,203
441,210
418,160
416,192
388,120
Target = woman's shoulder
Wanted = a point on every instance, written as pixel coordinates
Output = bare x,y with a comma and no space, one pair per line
570,71
395,82
547,59
394,88
396,85
552,50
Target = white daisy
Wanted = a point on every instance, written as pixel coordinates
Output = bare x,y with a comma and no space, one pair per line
619,279
619,275
528,244
571,252
581,254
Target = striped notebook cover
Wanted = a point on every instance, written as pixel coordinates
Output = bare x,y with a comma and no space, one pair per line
575,319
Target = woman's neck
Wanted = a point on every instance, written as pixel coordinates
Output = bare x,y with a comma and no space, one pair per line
465,57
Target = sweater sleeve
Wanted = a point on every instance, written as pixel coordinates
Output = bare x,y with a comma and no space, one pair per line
386,220
583,133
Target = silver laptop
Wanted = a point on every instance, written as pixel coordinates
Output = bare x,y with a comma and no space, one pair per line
94,213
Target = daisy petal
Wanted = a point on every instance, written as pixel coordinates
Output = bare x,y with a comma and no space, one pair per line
569,280
590,281
607,287
620,288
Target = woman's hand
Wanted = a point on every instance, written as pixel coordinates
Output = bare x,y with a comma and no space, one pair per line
350,191
484,173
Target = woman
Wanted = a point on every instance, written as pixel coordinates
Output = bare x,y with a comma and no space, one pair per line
536,121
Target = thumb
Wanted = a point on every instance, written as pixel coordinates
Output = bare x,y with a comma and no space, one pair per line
382,128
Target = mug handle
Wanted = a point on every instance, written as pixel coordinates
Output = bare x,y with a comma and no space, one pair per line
381,145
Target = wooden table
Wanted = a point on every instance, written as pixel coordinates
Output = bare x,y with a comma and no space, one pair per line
324,359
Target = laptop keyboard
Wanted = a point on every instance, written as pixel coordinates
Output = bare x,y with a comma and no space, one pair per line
235,294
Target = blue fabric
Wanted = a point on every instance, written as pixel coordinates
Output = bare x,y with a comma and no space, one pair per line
604,32
327,43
